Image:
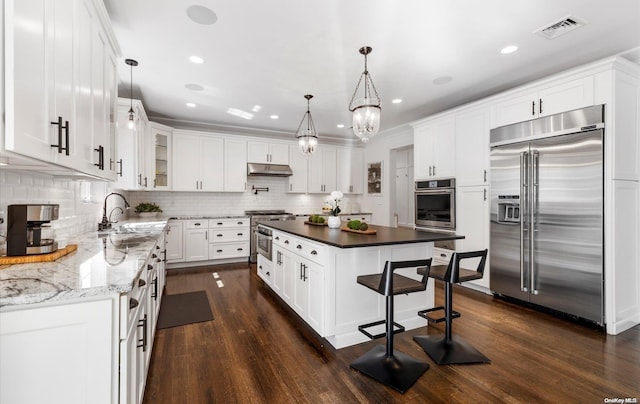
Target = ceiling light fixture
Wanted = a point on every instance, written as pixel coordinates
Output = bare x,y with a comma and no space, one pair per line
307,138
366,110
340,125
190,105
132,117
274,116
508,49
196,59
396,101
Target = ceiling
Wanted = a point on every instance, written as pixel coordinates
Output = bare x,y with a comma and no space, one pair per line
272,53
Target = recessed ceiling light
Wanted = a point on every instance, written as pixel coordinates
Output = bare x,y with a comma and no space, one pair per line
442,80
274,117
256,108
190,105
194,87
396,101
196,59
340,125
508,49
202,15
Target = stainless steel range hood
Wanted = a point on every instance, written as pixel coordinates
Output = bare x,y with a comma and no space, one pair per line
270,170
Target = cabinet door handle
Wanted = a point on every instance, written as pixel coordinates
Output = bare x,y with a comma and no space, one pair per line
154,294
143,341
197,185
100,163
301,265
485,175
485,194
66,130
133,303
304,272
145,182
434,170
540,105
430,171
533,108
120,172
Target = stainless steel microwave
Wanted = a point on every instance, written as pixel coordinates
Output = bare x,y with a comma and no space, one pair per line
435,203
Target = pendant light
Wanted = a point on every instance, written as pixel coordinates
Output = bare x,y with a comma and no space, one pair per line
366,110
307,138
131,64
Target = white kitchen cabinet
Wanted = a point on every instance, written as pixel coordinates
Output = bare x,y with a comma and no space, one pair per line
322,170
299,163
268,153
229,238
350,171
434,148
80,367
543,100
472,146
278,269
198,162
158,156
175,246
308,295
235,165
472,216
131,165
196,240
58,85
264,269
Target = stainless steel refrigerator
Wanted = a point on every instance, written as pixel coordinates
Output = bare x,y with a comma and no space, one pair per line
546,243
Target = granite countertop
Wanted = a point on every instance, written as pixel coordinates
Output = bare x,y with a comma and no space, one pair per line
104,264
342,239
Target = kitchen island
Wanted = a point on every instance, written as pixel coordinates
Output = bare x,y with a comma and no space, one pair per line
314,269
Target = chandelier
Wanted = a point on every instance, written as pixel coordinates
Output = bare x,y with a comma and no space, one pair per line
366,109
307,137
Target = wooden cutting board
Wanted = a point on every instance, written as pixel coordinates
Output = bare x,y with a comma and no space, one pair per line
25,259
368,231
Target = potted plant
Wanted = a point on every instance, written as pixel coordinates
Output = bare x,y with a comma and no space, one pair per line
147,209
334,200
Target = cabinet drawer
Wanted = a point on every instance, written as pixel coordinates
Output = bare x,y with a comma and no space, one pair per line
310,251
228,235
130,304
283,239
229,250
196,224
362,218
441,256
229,222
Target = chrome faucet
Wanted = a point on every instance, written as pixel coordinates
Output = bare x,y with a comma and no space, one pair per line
105,223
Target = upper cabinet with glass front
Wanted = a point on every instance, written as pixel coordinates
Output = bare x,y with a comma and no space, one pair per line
159,156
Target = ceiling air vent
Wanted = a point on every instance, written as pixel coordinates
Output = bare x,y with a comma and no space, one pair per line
555,29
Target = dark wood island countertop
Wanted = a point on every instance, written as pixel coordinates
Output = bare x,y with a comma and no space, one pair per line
343,239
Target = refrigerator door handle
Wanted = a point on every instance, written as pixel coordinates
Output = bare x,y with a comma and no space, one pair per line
535,170
523,192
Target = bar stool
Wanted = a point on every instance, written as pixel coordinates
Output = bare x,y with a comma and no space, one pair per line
394,369
448,349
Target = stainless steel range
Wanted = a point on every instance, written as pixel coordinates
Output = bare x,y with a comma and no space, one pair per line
262,216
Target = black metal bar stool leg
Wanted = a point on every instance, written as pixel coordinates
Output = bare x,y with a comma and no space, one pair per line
393,369
448,349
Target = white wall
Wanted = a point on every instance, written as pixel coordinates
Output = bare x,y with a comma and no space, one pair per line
380,149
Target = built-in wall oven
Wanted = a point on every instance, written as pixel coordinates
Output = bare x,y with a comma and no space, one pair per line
435,204
264,216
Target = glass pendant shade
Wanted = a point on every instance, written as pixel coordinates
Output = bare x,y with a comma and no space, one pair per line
131,63
131,124
307,137
366,119
365,110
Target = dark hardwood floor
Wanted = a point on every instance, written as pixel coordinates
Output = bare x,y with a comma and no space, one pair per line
255,351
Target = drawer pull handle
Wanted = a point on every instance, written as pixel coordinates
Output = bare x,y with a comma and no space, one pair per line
218,235
154,256
219,223
314,252
286,241
133,303
149,267
239,234
268,274
141,282
197,224
239,249
299,247
219,251
157,247
240,223
443,255
277,237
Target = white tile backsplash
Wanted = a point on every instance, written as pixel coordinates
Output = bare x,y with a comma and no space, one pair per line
75,217
220,203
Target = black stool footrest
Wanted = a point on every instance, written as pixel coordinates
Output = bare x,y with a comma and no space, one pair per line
424,314
398,328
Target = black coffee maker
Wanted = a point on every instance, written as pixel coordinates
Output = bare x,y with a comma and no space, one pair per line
25,227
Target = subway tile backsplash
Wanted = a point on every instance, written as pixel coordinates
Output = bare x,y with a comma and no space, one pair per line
214,203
